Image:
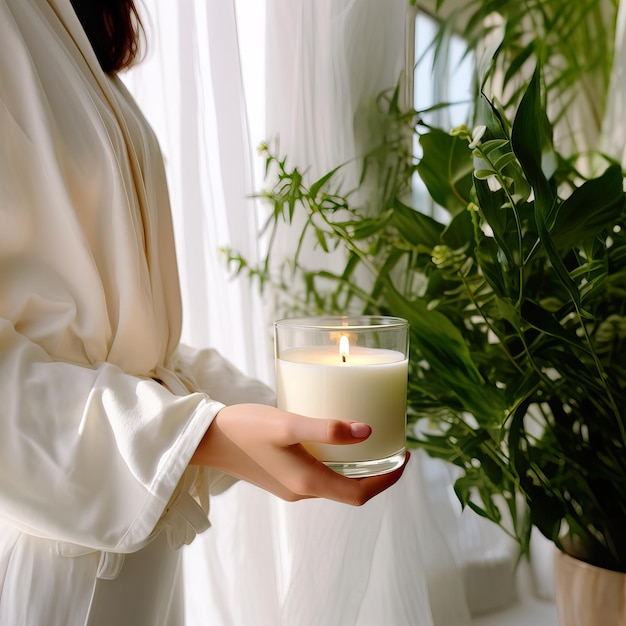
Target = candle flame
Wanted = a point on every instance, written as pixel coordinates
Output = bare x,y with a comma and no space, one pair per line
344,347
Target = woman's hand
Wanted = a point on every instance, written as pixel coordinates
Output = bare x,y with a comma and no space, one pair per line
263,445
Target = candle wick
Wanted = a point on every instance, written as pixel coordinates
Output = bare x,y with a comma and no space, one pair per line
343,358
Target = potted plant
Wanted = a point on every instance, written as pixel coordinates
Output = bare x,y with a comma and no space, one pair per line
517,306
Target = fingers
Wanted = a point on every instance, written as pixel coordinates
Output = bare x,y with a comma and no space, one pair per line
370,487
286,428
329,430
357,491
315,480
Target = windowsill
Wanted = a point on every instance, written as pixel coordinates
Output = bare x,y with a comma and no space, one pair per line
524,612
527,610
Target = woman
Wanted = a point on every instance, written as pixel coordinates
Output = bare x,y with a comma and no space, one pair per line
113,436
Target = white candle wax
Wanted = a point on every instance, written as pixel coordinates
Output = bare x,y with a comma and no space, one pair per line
370,386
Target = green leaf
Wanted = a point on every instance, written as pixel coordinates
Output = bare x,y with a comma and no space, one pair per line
321,239
546,322
318,184
441,343
473,484
546,510
504,160
484,174
365,228
593,207
502,223
487,256
446,167
493,144
518,62
530,137
459,233
416,227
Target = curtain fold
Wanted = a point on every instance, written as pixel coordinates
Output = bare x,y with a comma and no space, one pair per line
317,563
327,61
190,88
614,123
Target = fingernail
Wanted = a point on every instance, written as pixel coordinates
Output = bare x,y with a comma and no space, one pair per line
358,429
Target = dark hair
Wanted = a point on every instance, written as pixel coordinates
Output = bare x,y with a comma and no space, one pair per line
114,30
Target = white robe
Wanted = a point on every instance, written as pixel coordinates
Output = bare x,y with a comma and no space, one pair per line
99,407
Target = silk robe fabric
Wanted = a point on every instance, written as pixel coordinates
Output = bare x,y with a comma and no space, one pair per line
100,407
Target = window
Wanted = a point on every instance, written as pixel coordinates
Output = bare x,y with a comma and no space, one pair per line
444,76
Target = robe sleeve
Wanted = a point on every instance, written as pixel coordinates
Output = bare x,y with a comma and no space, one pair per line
89,456
209,371
206,369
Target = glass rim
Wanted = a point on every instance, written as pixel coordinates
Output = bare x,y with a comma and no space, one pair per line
345,322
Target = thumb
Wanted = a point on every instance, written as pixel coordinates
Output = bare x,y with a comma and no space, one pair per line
334,431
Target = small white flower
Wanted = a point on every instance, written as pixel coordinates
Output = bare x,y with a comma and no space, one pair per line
477,135
487,230
493,183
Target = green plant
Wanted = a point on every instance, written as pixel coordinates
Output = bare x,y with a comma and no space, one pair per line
516,305
572,41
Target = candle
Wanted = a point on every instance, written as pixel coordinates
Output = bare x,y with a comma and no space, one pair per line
324,371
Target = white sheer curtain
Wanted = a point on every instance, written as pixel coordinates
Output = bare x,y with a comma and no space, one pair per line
265,562
191,89
327,61
614,126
